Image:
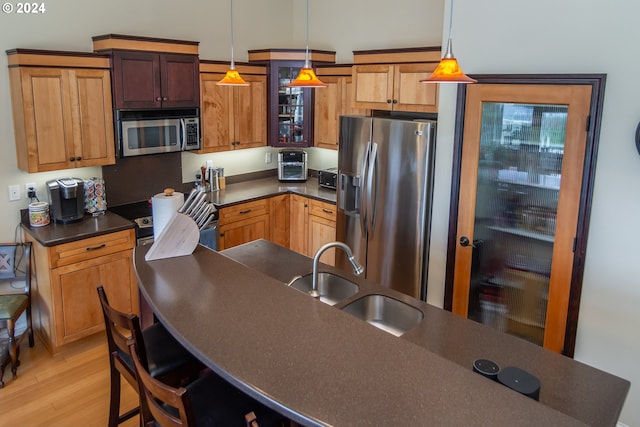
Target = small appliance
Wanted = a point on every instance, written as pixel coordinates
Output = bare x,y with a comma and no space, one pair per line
66,196
157,131
328,178
292,165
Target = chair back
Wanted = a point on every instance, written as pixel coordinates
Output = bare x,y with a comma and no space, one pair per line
15,268
156,398
122,329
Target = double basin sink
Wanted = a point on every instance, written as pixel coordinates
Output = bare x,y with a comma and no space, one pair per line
383,312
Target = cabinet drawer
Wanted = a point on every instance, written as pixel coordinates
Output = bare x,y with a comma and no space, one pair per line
81,250
244,211
322,209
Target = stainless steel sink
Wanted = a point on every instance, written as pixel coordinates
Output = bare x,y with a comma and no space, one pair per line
385,313
332,288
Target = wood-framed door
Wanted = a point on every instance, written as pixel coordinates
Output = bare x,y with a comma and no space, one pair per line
521,194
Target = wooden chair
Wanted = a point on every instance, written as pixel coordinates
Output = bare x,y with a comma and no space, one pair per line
208,401
160,353
15,300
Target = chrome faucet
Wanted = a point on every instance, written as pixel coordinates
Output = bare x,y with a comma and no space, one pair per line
357,268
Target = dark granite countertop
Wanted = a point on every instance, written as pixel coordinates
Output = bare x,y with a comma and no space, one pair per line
90,226
266,187
55,234
320,366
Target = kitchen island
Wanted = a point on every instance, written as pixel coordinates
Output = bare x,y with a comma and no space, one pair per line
318,365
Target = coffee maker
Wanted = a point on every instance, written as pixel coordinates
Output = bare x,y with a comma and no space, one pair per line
66,196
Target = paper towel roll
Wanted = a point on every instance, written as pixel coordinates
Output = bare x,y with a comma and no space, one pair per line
164,207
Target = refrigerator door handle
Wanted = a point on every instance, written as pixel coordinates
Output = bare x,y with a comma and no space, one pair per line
372,186
363,189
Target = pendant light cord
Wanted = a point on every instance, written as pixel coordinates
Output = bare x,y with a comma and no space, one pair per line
450,17
306,54
233,65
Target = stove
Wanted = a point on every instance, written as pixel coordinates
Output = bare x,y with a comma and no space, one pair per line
141,215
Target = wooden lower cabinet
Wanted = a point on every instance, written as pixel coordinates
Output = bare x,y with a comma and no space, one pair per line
322,229
279,219
312,224
243,223
65,301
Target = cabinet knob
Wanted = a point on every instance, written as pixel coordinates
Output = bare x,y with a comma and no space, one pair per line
72,159
165,99
388,101
78,159
395,101
158,99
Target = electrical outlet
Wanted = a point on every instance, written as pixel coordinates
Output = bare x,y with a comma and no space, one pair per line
30,190
14,193
267,158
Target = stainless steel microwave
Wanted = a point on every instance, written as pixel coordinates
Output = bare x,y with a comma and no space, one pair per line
157,131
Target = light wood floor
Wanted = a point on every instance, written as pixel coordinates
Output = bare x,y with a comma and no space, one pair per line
69,389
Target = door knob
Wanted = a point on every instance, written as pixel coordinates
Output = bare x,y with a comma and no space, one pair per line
464,242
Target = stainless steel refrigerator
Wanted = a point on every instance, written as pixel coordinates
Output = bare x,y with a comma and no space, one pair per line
385,170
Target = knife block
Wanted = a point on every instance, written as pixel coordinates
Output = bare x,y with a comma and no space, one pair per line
178,238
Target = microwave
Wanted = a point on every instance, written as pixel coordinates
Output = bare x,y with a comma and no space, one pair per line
157,131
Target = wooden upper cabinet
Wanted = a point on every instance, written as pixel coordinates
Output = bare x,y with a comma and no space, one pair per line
152,73
155,80
390,79
332,102
62,115
232,117
395,87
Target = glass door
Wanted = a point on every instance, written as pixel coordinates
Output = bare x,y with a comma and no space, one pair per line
519,203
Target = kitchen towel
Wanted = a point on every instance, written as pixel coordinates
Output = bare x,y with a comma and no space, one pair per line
164,207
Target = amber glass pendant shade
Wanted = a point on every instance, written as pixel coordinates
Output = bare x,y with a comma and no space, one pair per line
307,77
232,78
448,70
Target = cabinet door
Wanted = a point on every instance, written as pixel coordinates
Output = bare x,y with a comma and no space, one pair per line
373,86
179,81
409,93
279,219
322,231
249,117
290,109
326,113
348,106
519,201
77,309
136,80
90,93
299,224
42,117
239,232
215,113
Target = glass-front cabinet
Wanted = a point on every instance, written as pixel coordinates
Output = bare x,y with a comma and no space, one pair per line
291,126
520,220
290,110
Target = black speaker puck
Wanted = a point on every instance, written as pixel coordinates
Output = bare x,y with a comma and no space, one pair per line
520,381
487,368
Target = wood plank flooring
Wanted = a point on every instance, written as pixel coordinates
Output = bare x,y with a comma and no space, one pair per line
69,389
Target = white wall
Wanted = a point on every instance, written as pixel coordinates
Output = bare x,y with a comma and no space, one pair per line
574,36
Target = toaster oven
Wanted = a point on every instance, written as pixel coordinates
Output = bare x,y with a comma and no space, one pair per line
328,178
292,165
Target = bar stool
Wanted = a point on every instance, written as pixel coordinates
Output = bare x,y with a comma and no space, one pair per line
159,352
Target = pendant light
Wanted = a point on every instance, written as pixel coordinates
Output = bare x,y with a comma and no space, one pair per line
232,78
306,77
448,70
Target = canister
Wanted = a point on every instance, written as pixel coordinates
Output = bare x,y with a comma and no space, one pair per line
38,214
